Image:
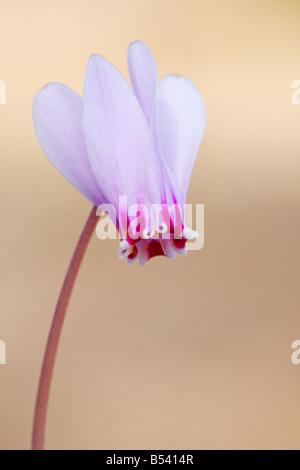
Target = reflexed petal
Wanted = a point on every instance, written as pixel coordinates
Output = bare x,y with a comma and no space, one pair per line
143,74
179,126
57,116
116,133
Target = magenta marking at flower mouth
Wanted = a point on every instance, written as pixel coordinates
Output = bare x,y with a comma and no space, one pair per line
160,221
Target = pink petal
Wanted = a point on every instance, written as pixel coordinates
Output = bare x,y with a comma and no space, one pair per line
143,74
179,126
57,116
116,133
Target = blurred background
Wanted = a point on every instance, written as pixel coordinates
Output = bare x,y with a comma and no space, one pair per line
191,354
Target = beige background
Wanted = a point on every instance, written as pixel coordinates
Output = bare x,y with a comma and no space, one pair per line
188,354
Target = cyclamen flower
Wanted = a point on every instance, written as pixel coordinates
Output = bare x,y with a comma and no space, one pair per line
140,143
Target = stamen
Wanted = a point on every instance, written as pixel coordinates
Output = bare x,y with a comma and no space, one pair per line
147,235
124,245
189,234
162,246
163,228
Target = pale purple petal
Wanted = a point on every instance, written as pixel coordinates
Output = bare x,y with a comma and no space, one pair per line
116,133
57,116
163,188
143,74
179,126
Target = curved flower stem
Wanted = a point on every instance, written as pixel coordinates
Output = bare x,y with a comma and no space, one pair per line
41,407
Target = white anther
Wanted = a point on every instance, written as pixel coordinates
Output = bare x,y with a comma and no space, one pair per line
163,228
147,234
124,245
189,234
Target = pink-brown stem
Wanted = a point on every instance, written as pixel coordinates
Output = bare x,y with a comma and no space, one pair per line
41,407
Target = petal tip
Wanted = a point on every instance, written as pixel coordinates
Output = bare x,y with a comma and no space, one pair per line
137,42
